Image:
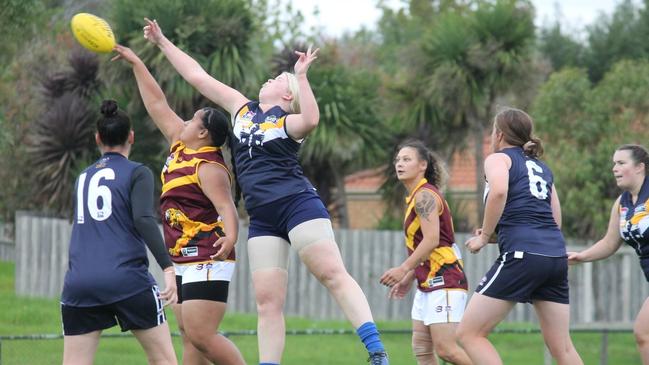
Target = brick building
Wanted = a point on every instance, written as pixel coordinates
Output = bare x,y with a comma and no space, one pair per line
366,208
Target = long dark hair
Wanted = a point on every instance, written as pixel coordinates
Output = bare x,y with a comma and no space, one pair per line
518,130
435,172
218,126
114,125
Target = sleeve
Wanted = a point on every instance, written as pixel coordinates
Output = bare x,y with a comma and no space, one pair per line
144,217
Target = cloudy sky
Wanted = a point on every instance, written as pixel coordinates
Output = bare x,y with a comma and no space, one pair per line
338,16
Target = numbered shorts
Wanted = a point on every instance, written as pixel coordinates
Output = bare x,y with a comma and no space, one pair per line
206,280
524,277
139,312
281,216
439,306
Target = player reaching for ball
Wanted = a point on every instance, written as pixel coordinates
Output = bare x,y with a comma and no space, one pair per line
282,204
200,220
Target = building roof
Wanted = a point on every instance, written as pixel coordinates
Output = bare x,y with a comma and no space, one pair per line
462,174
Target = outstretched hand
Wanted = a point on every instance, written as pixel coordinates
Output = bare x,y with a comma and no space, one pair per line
304,61
152,31
126,54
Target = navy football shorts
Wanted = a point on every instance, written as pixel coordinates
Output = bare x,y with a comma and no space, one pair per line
139,312
279,217
524,277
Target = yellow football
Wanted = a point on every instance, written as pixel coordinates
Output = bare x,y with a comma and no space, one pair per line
93,32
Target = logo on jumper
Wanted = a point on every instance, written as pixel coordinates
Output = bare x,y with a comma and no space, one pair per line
101,163
189,251
436,281
248,116
168,162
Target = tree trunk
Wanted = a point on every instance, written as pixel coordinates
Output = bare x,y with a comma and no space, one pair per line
477,129
341,199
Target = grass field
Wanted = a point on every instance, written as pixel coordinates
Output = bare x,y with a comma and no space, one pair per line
23,316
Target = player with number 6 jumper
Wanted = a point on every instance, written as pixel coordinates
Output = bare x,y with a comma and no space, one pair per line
108,281
522,206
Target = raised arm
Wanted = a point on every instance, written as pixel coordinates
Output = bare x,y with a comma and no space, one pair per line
220,93
300,125
605,247
155,102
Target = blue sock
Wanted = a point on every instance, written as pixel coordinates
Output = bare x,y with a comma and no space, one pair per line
370,337
267,363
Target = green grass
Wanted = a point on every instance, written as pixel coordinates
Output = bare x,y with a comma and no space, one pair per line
27,316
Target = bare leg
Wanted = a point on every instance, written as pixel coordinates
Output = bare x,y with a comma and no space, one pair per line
422,344
157,344
191,355
80,349
324,261
202,319
446,347
641,332
482,314
270,293
554,319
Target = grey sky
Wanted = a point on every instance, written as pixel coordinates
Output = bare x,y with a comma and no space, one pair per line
338,16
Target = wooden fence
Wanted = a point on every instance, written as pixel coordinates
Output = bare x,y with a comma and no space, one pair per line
607,291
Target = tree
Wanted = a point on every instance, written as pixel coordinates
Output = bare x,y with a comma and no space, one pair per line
61,142
467,58
618,36
561,49
583,124
220,34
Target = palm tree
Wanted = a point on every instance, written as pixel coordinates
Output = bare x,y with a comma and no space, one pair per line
468,58
61,140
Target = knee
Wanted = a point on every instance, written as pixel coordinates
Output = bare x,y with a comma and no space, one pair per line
269,303
561,350
198,340
332,276
641,337
447,351
463,336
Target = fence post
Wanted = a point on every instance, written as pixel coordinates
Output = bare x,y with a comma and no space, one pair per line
626,288
547,357
589,297
603,353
